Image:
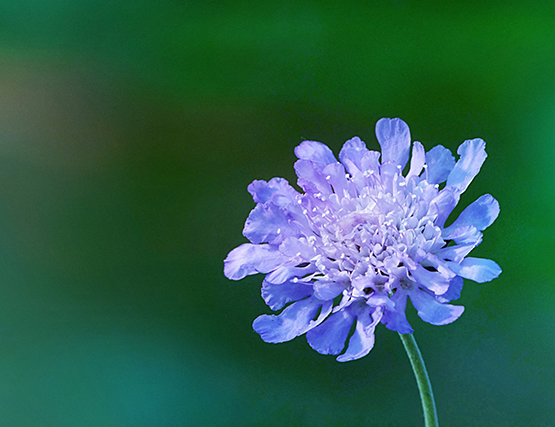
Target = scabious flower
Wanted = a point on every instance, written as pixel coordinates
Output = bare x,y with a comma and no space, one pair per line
362,238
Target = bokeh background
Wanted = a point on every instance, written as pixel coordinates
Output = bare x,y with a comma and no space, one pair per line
129,131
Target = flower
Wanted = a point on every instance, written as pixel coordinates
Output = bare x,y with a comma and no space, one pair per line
362,238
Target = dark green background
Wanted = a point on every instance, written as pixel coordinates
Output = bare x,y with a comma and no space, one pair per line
129,131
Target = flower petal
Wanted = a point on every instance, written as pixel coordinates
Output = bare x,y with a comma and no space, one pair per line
442,205
473,154
481,213
326,309
293,321
263,191
267,223
394,138
433,280
388,175
478,269
327,290
335,175
329,337
417,160
310,178
456,253
285,272
395,319
251,259
440,163
362,340
294,247
353,150
432,311
276,296
454,291
316,152
370,163
467,234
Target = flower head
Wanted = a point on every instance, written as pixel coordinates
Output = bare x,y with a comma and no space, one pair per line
363,237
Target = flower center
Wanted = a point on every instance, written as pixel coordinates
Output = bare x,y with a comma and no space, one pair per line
370,242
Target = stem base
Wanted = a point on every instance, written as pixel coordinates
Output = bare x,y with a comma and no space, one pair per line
422,379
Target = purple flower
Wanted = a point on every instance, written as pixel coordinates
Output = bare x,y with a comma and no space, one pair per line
362,238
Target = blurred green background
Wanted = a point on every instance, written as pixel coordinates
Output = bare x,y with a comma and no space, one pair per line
129,131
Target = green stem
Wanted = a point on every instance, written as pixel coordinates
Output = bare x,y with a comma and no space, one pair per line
424,385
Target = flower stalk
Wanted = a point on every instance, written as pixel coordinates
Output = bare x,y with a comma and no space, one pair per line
422,379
